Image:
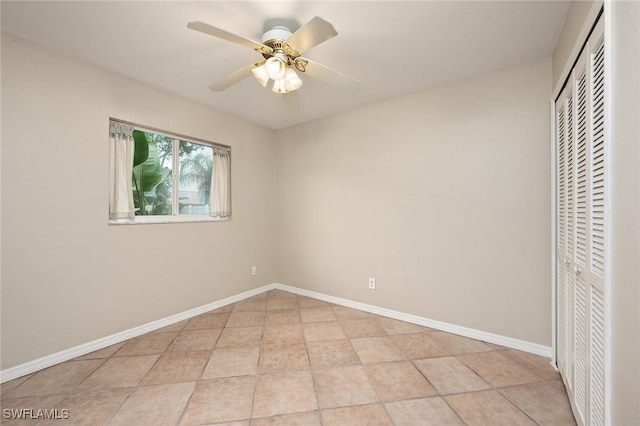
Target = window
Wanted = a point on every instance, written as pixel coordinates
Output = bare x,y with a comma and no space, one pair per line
154,191
158,177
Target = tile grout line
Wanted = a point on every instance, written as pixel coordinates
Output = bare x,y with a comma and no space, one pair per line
135,388
496,389
375,389
311,372
453,409
255,380
204,368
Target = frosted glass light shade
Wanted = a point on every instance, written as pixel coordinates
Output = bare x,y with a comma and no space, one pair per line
292,80
276,68
280,86
260,73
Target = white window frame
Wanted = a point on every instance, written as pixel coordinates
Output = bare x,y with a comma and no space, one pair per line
175,217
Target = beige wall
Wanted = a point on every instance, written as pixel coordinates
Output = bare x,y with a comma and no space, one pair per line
625,211
67,277
443,196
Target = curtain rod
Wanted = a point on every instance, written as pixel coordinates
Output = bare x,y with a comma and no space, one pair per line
170,134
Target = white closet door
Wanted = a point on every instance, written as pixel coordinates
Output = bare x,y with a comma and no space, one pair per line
596,268
580,208
561,206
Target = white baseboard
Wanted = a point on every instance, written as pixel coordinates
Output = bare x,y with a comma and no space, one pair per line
508,342
76,351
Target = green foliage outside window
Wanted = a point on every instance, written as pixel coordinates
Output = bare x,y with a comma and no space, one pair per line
153,167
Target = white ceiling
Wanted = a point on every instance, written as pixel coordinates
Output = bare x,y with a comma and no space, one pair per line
393,47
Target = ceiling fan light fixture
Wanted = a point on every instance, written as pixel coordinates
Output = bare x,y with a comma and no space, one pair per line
260,73
280,86
292,81
280,50
276,67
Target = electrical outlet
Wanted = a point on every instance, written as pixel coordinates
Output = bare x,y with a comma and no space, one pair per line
372,283
254,271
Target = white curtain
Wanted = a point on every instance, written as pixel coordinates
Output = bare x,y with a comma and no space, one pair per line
121,158
221,184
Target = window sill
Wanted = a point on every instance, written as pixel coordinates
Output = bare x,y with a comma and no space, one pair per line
146,220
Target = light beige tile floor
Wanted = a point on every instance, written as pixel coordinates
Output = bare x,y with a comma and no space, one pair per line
282,359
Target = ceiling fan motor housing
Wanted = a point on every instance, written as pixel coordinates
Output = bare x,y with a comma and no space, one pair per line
277,33
276,38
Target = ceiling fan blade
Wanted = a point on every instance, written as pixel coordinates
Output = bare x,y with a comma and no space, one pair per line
314,32
225,35
232,79
330,76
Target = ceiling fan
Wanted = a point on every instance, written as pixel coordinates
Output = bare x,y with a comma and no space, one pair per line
281,50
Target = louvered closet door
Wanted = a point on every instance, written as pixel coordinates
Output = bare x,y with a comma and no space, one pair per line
580,202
